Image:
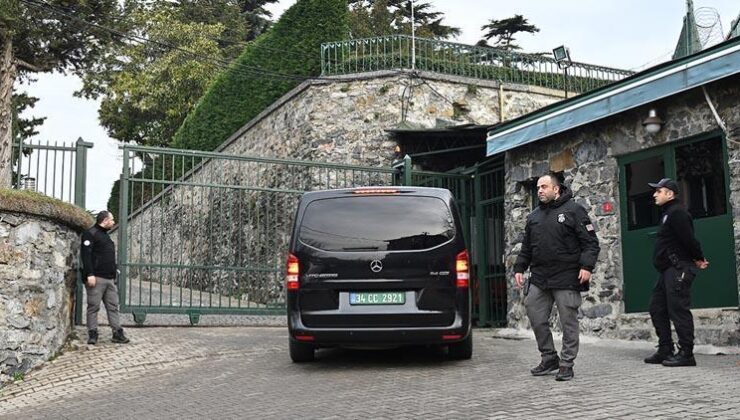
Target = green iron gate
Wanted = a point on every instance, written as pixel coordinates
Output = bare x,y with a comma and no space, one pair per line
487,240
479,191
206,233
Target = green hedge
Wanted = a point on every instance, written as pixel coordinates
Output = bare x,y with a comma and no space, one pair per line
292,46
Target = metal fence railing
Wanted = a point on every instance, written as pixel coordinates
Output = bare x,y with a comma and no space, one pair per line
395,52
56,170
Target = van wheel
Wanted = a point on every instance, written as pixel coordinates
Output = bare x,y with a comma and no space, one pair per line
462,350
300,352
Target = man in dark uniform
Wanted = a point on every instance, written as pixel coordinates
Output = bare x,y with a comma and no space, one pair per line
677,255
99,273
560,248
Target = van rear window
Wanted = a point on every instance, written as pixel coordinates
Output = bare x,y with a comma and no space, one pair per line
376,223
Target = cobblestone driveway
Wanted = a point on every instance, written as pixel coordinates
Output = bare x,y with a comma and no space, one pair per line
246,373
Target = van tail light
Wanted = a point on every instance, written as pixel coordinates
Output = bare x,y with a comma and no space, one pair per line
304,337
462,271
294,269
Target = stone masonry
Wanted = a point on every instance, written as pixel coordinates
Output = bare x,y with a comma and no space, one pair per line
38,262
588,156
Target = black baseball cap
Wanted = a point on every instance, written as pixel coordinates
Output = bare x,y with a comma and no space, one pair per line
665,183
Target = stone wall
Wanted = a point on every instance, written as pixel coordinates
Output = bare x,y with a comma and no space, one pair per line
588,155
342,121
38,263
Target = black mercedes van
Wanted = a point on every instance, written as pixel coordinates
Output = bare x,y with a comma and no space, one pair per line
378,267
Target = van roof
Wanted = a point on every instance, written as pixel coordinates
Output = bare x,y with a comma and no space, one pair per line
343,192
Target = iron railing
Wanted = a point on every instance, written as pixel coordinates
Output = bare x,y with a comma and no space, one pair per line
56,170
394,52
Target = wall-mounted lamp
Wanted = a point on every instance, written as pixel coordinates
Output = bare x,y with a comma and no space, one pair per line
652,123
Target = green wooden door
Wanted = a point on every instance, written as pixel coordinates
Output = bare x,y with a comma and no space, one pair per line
699,166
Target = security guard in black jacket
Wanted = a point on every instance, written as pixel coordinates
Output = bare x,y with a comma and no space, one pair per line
99,272
677,255
560,248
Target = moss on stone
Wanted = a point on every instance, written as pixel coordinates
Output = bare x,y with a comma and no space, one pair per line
33,203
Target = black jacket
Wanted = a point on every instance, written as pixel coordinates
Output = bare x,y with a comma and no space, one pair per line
559,241
676,235
98,254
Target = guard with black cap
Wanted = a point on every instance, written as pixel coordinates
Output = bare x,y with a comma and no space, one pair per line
677,256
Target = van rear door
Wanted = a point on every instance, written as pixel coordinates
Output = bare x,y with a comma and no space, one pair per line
365,256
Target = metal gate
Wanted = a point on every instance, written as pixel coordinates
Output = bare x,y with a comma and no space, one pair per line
479,192
487,240
206,233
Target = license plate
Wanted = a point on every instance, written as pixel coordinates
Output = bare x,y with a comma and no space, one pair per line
377,298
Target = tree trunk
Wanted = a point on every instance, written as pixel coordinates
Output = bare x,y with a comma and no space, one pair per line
7,77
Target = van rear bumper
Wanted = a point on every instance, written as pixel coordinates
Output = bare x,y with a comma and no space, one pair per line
380,337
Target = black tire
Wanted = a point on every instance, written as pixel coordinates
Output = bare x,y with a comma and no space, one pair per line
300,352
462,350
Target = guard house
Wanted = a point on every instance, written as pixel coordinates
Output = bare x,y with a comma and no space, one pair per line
680,119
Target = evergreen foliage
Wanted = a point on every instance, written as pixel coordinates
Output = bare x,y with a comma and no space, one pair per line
252,83
372,18
504,30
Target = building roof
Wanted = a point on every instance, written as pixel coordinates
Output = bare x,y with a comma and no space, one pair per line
717,62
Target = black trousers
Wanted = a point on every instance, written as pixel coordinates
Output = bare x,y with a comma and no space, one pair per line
671,304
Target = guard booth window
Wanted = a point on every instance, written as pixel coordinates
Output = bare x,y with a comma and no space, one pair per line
641,209
701,178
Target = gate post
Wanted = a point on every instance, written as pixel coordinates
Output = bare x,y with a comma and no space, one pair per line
484,288
407,170
81,147
123,229
81,171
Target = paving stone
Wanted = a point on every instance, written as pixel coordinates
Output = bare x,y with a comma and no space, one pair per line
245,372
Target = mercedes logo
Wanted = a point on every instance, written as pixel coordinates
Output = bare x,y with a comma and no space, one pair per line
376,266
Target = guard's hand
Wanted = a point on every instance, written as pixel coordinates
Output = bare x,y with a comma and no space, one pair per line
91,281
519,277
701,264
584,276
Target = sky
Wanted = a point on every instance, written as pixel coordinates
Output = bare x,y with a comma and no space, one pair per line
627,34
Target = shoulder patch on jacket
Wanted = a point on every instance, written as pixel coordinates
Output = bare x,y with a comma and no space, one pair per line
590,227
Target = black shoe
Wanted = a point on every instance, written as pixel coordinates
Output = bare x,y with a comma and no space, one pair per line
657,358
92,337
119,338
544,368
682,358
565,373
